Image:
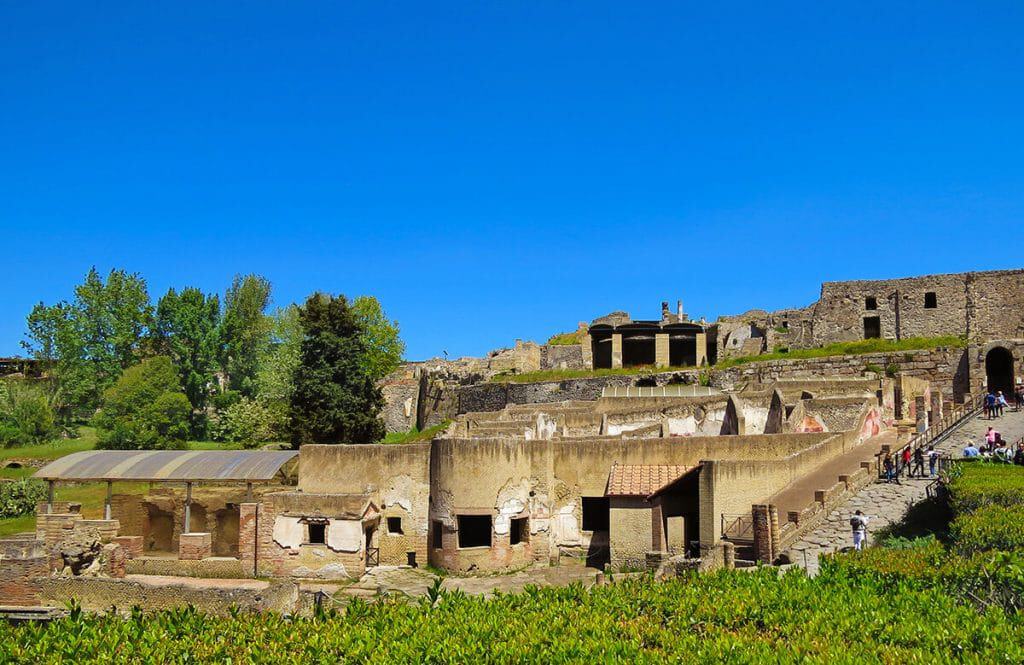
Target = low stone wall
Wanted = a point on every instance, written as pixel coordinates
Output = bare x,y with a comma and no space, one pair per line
216,567
103,595
22,563
799,523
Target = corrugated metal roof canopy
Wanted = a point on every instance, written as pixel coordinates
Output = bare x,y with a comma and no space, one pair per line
169,465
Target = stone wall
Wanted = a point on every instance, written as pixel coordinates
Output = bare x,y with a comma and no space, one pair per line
22,563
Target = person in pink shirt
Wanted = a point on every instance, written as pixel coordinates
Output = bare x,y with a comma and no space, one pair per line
991,437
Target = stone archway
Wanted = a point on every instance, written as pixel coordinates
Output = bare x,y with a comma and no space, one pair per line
999,370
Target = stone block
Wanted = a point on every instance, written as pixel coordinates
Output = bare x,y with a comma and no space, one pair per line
132,545
195,546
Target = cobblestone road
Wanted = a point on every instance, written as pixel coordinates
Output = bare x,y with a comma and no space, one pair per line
884,503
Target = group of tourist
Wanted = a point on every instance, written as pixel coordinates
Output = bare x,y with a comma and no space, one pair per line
912,463
995,403
995,449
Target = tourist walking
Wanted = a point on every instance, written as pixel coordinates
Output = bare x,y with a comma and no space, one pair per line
859,524
905,457
890,470
918,467
933,461
990,404
1000,402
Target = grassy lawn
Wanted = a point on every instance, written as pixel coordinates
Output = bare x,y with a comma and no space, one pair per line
90,495
416,436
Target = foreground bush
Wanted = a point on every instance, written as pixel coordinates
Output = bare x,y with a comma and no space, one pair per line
20,497
991,527
755,617
145,409
978,484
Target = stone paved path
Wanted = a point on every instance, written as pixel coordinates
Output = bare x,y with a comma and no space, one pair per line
886,504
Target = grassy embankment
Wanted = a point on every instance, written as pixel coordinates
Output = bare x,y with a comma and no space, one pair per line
416,436
90,495
860,347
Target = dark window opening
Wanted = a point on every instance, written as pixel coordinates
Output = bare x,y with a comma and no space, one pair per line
437,535
474,530
395,525
317,534
930,300
872,327
638,350
595,513
870,303
410,559
520,532
785,324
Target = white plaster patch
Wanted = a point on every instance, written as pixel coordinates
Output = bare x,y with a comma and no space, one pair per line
615,429
566,526
289,532
755,417
345,535
682,426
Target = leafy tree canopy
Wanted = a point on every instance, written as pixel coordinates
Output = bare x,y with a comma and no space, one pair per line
334,399
245,331
186,330
384,348
145,409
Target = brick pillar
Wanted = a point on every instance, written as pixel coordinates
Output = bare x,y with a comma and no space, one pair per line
762,533
248,537
702,349
616,350
661,355
195,546
587,351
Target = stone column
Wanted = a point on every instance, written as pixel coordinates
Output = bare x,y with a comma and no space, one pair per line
616,350
702,349
587,351
762,533
661,357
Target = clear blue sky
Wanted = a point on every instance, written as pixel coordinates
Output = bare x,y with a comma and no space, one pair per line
502,170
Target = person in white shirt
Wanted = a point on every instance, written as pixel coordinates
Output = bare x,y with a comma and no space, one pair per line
859,524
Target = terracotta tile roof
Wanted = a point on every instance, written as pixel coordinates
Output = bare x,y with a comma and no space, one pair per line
642,479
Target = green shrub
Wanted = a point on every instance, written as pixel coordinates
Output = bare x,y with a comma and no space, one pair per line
251,422
736,617
991,527
566,339
20,497
974,486
26,416
876,369
892,370
226,399
145,409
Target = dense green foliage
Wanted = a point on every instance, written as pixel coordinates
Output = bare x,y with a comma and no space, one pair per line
414,435
20,497
145,409
723,617
245,331
991,527
384,348
334,399
26,417
186,331
87,342
978,484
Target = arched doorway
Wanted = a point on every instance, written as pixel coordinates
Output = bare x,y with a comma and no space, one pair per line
999,370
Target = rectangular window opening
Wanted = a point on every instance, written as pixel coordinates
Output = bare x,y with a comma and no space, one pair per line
317,534
870,303
474,530
930,300
520,532
595,513
437,535
395,525
872,327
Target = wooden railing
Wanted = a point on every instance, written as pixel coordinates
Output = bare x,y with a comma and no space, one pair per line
948,421
738,527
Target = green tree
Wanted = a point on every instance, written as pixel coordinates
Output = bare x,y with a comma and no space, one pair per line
145,409
244,331
384,348
334,399
26,415
186,330
88,342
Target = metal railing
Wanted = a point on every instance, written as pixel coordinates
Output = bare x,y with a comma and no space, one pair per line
920,440
738,527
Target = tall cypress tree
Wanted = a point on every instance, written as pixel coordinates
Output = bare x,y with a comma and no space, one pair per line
335,399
